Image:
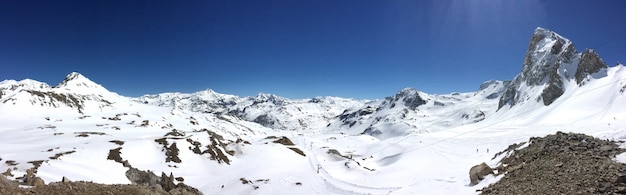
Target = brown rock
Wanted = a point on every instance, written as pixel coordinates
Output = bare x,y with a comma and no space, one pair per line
37,181
5,183
479,172
167,182
8,173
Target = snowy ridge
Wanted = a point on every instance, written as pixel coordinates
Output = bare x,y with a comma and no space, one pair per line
410,142
266,109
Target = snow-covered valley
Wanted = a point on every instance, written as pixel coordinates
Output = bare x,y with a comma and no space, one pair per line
408,143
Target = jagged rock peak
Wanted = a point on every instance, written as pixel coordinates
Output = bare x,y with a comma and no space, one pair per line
410,96
547,50
590,62
548,64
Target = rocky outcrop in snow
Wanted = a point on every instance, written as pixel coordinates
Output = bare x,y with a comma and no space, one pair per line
550,63
561,163
409,97
75,92
590,63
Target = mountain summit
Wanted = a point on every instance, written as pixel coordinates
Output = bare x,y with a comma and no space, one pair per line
550,63
77,83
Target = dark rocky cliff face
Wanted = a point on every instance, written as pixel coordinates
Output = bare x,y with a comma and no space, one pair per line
409,96
546,53
545,68
590,63
540,60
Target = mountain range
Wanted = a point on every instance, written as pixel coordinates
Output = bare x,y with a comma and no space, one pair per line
409,142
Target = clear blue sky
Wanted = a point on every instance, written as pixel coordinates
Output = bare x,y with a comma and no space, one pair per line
297,49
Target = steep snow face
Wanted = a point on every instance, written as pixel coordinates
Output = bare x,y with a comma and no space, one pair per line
597,101
77,83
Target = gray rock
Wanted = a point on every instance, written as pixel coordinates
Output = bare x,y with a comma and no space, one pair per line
137,176
479,172
167,182
543,66
554,89
590,63
37,181
266,120
410,97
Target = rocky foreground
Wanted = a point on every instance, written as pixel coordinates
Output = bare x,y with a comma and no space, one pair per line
563,163
144,182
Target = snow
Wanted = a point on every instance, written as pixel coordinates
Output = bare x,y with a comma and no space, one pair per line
426,150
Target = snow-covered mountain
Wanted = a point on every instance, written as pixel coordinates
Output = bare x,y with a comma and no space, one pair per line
551,63
405,110
76,92
407,143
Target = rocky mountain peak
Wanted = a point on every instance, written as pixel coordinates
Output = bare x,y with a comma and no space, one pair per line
78,83
546,52
409,96
590,62
548,65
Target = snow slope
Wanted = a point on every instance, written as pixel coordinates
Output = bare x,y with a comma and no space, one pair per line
407,143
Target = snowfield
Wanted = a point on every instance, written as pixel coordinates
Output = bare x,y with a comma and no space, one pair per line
409,143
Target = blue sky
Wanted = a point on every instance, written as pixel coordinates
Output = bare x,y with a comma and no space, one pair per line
296,49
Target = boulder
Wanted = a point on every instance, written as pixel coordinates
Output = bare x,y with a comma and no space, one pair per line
37,181
479,172
139,177
6,183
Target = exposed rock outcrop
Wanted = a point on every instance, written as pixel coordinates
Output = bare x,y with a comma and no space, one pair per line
548,65
5,183
562,163
590,63
547,53
410,97
478,173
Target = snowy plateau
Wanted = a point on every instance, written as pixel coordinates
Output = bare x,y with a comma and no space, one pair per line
408,143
